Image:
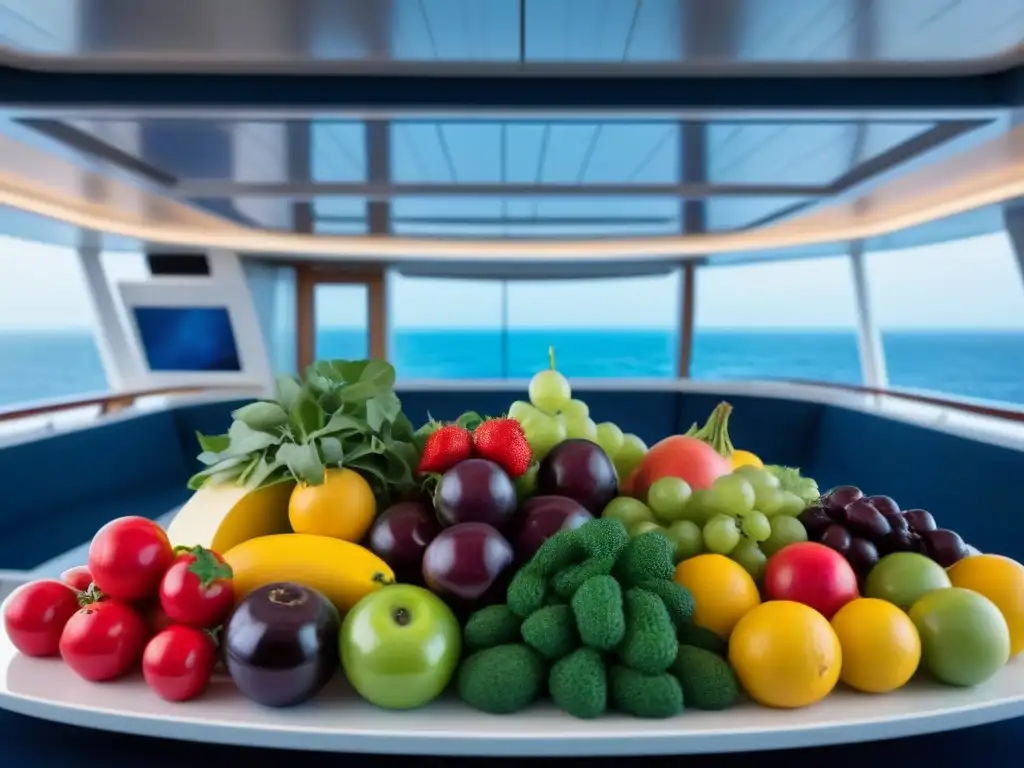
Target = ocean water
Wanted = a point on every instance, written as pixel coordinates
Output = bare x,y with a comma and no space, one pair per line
987,365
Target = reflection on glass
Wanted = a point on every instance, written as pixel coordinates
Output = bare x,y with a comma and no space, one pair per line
340,313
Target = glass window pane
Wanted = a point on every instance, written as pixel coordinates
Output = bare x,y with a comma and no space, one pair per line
445,329
341,321
600,328
952,317
778,320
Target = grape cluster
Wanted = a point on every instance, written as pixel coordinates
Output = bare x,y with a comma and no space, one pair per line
865,528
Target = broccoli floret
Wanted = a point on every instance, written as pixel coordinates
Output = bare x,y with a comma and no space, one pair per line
649,556
491,626
503,679
553,599
643,695
707,680
597,608
649,645
579,684
526,592
551,631
560,551
603,537
568,580
677,600
701,637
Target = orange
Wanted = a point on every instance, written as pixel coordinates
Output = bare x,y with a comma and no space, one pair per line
1001,580
881,646
343,506
785,655
722,591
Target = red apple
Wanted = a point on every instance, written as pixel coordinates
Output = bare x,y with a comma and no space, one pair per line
812,574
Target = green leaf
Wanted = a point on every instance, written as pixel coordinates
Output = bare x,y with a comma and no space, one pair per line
262,416
367,379
208,567
469,420
263,471
340,423
213,443
331,450
305,416
303,461
244,440
288,391
382,409
330,402
208,458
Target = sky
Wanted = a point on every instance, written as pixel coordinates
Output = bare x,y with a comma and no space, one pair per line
970,284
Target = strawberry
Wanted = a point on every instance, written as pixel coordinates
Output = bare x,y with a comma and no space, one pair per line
503,442
446,447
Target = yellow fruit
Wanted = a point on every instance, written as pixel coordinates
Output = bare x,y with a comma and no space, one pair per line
881,646
220,517
722,591
745,459
342,571
785,655
1001,580
342,506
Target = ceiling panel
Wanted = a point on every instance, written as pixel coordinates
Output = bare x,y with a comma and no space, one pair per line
725,213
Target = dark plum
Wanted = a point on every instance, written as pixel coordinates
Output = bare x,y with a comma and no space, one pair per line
865,521
862,556
945,547
838,538
400,537
842,495
884,504
580,470
465,561
920,521
281,644
475,491
541,517
815,520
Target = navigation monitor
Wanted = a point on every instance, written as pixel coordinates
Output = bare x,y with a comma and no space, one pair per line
187,339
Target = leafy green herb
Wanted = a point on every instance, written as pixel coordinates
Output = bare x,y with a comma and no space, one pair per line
791,480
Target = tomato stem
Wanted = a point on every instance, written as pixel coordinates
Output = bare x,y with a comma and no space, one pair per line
91,595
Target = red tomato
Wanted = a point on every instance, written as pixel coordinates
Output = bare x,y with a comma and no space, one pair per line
812,574
156,619
104,640
178,662
128,557
77,577
197,589
35,615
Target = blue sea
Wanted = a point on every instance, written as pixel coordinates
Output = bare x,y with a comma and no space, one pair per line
987,365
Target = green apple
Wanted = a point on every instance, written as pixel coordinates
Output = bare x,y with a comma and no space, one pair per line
400,646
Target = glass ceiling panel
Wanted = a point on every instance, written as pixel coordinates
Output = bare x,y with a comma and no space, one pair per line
337,151
725,213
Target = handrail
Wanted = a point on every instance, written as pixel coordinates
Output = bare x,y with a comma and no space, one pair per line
109,402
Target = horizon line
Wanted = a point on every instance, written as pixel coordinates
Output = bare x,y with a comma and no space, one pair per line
83,330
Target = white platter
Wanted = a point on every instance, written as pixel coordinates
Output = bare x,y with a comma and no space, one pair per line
338,721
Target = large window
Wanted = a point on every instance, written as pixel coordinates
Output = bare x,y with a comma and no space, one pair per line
952,317
777,320
47,347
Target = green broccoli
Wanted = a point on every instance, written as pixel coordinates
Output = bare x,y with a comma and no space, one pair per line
560,551
553,599
491,626
677,599
640,695
701,637
649,556
597,607
707,680
603,537
568,580
526,592
579,684
551,631
503,679
649,644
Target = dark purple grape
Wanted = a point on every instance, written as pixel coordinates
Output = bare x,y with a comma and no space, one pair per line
898,538
842,495
838,538
864,520
917,544
835,514
945,547
815,520
862,555
884,504
919,520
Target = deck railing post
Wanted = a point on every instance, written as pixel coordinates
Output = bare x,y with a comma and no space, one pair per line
869,338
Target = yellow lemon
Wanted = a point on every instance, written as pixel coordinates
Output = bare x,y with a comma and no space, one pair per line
342,506
785,654
881,645
1001,580
745,459
722,591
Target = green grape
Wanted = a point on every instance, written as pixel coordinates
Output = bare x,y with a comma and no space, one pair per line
549,390
579,428
543,433
730,494
526,483
521,410
756,526
696,510
628,511
644,526
768,500
687,539
629,456
667,498
785,531
610,438
721,534
575,409
750,558
791,505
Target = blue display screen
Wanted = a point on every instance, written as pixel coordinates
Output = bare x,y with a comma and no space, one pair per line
187,339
